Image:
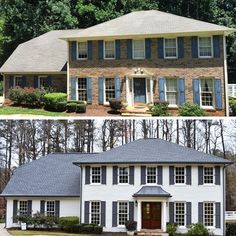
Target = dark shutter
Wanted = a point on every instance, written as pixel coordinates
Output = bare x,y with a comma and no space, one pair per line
36,82
200,175
104,175
159,173
101,90
29,208
188,175
160,47
148,48
189,213
218,218
114,214
49,81
73,50
117,87
15,203
172,175
115,174
180,47
90,50
129,48
11,82
195,47
216,46
57,208
86,212
171,212
87,174
131,210
73,88
131,175
42,207
24,82
200,212
89,90
100,49
181,87
117,46
218,94
196,91
162,82
103,213
217,175
143,174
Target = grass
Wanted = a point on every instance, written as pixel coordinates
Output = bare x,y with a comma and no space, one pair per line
32,232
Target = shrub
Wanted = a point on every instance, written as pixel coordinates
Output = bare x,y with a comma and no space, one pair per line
16,95
231,229
232,106
50,221
98,229
25,219
61,106
71,107
160,109
69,223
115,104
189,109
88,229
80,108
39,219
171,229
131,225
52,100
198,229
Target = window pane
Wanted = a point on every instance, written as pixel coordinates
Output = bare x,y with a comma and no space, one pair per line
110,49
50,208
207,92
205,48
95,213
109,88
123,175
209,214
18,81
23,208
170,48
180,175
208,175
43,82
122,213
82,50
96,175
82,89
151,175
138,49
180,213
171,91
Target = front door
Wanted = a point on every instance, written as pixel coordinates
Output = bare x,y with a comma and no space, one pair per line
139,90
151,215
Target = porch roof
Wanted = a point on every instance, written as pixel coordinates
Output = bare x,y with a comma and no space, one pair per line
152,191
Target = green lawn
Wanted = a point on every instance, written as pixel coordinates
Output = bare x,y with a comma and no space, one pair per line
38,233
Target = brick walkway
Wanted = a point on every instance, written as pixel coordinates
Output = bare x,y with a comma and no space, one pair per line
3,231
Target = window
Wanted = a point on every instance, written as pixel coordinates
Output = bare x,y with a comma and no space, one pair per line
123,175
82,50
180,213
205,46
139,49
109,49
96,175
122,212
151,175
95,213
179,175
171,48
172,91
82,89
42,82
208,175
50,208
207,93
109,88
23,208
209,214
18,81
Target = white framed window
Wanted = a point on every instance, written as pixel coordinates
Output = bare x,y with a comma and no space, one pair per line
123,175
18,81
123,213
180,213
42,81
151,175
23,208
109,49
109,89
208,175
82,50
205,45
96,175
138,49
50,208
170,48
95,212
207,92
209,214
172,91
180,175
82,89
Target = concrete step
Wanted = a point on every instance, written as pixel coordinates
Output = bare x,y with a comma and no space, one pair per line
136,115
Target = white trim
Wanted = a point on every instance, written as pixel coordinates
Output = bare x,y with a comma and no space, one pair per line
212,51
77,50
176,48
226,77
213,93
144,48
214,215
185,214
104,50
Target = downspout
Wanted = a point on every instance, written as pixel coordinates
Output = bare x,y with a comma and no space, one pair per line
4,86
226,76
224,201
81,184
68,70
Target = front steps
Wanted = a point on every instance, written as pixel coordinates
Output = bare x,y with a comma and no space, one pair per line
138,111
152,233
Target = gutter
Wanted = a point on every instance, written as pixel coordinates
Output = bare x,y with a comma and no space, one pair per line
81,184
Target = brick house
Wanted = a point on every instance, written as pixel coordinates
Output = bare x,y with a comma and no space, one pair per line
138,57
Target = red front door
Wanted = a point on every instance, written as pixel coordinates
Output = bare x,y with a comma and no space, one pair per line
151,215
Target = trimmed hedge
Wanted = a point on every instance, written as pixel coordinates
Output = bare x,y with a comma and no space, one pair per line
80,108
52,101
115,104
190,109
69,223
71,107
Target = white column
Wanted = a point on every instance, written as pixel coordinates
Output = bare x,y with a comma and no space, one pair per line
139,216
226,77
163,216
151,89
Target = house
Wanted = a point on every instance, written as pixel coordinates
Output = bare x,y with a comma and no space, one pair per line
151,181
138,57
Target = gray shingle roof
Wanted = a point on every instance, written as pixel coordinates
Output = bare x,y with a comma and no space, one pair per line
151,191
46,53
152,151
150,22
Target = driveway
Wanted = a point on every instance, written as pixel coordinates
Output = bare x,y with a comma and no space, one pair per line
3,231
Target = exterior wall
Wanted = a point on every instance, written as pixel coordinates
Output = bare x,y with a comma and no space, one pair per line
189,193
69,206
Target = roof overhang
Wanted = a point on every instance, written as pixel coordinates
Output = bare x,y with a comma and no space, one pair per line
152,191
33,72
23,195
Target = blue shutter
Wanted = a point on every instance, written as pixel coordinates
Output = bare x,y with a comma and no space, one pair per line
100,50
196,91
162,84
89,90
90,50
101,90
129,48
24,82
181,87
117,87
195,47
117,46
160,47
218,94
36,82
148,50
73,88
180,47
11,82
216,46
73,50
